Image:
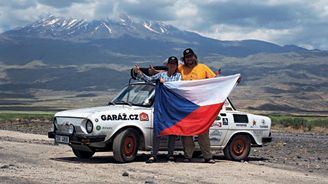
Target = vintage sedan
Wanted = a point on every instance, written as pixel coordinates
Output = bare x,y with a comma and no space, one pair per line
125,126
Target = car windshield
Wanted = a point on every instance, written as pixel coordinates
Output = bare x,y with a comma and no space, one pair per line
136,94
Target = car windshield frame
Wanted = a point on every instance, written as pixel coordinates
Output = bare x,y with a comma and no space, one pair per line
136,95
228,102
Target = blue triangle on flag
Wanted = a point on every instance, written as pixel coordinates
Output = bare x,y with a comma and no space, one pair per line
169,108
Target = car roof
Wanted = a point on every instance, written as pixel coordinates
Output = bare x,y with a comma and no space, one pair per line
141,83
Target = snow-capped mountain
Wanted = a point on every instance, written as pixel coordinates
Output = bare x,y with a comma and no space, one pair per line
74,29
61,40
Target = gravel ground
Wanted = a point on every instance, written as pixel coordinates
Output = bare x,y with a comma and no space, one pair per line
304,152
32,158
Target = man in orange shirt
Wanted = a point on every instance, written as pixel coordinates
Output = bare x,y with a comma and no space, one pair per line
192,70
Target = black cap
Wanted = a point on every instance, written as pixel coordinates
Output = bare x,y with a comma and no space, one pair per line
173,60
188,51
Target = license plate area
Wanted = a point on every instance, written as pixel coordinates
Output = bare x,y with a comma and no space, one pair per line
62,139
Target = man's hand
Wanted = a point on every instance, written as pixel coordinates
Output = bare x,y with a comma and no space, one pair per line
152,70
239,79
136,69
161,80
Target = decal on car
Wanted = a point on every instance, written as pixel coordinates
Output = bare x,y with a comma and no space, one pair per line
218,124
216,133
215,136
254,122
144,116
120,116
225,121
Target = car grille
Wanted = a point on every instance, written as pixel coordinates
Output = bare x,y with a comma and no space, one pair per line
63,125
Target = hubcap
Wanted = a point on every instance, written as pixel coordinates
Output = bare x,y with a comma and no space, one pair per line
238,147
129,145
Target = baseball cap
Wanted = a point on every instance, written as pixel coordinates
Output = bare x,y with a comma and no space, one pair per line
173,60
188,51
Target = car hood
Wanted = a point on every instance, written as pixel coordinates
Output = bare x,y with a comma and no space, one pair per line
86,112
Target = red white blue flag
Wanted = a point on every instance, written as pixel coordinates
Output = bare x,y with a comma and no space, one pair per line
190,107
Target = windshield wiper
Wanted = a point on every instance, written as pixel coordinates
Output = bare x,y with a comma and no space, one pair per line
123,102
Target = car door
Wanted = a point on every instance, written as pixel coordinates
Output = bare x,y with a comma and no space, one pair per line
219,129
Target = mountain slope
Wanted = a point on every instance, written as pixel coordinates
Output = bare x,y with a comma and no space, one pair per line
57,40
64,62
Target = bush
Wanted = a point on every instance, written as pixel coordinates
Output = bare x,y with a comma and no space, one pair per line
25,115
300,122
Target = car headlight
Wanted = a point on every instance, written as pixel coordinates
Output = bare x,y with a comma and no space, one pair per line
70,129
89,126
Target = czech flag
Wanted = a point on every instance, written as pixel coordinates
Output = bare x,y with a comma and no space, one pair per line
190,107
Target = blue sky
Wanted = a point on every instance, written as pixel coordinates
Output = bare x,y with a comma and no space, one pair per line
299,22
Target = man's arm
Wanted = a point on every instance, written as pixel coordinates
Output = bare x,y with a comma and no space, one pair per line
153,71
209,72
146,78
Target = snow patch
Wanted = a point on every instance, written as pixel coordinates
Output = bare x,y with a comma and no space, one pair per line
149,27
163,29
64,23
72,23
51,22
108,28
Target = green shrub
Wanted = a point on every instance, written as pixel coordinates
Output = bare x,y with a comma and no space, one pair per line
299,122
25,115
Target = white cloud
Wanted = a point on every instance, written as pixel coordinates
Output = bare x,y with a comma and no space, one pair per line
186,10
283,22
226,32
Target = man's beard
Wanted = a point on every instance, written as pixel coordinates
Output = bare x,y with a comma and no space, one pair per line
190,63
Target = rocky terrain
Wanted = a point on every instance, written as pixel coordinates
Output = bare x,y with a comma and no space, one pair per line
306,152
288,83
303,152
32,158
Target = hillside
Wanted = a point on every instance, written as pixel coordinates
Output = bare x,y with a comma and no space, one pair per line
58,40
59,63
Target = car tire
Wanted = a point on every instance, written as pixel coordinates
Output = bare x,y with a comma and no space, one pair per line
238,148
83,154
125,146
227,153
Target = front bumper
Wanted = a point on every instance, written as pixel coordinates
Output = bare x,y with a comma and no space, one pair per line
80,138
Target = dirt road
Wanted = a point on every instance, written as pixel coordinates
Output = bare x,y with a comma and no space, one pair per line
31,158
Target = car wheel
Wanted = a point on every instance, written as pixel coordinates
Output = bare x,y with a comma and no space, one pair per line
125,145
83,154
238,148
227,153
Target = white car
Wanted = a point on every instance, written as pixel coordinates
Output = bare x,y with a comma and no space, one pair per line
125,126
